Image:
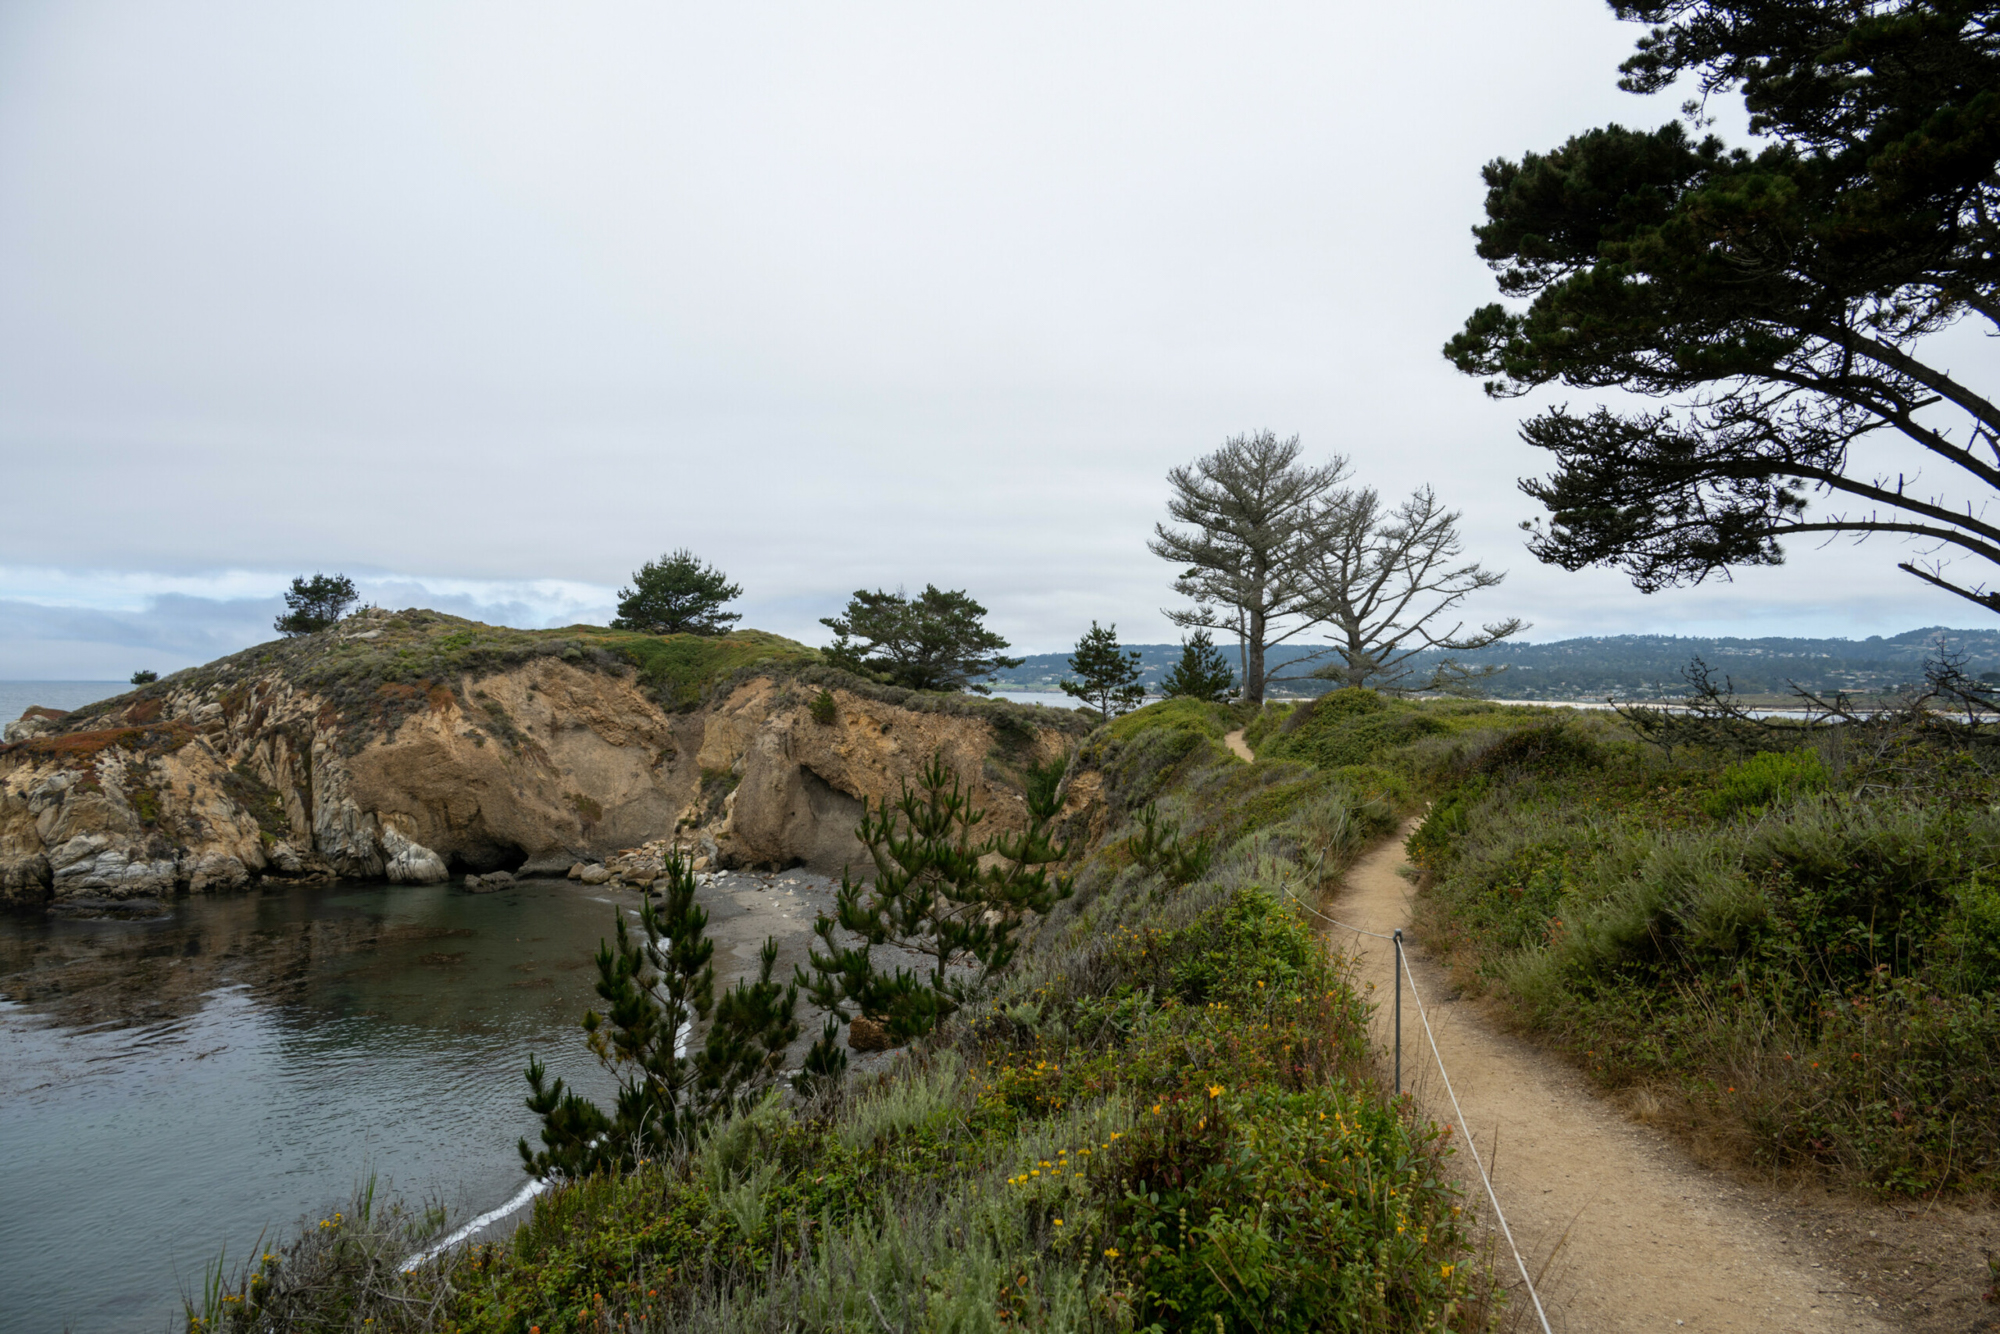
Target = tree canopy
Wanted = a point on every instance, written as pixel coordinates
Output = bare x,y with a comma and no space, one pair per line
1248,507
314,604
678,595
934,641
1780,300
1384,581
1202,673
1107,676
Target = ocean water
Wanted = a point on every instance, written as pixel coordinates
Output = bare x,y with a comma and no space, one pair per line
175,1089
1053,699
16,696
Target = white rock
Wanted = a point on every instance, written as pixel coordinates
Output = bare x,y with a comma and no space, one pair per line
26,728
89,862
595,874
411,863
215,870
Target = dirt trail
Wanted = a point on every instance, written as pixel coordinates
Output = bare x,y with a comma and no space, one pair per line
1654,1241
1237,746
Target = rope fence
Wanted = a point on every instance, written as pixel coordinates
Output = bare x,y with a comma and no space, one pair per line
1403,978
1471,1141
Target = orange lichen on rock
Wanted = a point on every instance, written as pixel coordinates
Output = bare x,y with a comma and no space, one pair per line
82,747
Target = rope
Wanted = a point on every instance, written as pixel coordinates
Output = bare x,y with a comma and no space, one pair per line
1473,1144
1317,865
1324,918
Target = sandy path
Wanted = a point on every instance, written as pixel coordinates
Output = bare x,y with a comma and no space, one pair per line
1654,1241
1234,741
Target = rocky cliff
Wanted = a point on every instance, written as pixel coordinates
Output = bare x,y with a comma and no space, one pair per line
412,746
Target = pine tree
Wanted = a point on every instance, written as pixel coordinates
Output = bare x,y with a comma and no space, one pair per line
1110,676
1780,299
656,986
932,897
315,604
1202,673
933,641
678,595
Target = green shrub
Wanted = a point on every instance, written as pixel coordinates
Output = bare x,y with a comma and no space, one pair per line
1558,746
1267,721
1180,714
1749,968
1349,727
1767,777
682,669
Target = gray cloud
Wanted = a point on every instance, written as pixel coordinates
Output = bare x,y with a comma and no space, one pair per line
838,297
43,643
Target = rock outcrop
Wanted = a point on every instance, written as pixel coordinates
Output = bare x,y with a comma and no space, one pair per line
321,758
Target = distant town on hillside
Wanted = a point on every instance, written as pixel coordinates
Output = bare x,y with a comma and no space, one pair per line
1629,666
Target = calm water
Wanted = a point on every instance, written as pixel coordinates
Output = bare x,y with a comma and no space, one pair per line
16,696
174,1086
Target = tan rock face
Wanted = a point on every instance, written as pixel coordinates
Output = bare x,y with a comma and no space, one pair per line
802,783
117,813
544,766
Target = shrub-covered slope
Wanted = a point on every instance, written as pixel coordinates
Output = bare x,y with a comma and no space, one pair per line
1162,1116
1793,955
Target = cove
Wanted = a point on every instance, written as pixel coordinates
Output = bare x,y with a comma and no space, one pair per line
176,1085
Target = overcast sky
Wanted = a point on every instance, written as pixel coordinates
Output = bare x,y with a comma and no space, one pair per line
484,304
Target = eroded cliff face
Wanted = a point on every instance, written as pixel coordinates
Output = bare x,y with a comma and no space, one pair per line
241,775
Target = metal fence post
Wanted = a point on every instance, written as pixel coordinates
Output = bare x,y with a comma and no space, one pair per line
1399,1011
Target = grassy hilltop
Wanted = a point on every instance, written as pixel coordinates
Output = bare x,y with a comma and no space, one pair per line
374,649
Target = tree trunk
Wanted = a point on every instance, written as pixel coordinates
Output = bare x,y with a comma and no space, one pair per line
1253,675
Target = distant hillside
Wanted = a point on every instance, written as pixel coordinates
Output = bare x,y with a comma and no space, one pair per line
1636,666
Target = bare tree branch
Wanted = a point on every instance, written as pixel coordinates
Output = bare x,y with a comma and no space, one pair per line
1384,581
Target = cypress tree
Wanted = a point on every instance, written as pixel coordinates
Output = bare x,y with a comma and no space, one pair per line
676,595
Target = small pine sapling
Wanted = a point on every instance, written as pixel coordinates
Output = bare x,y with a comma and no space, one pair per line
1160,848
1109,676
932,897
825,1063
656,986
824,708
